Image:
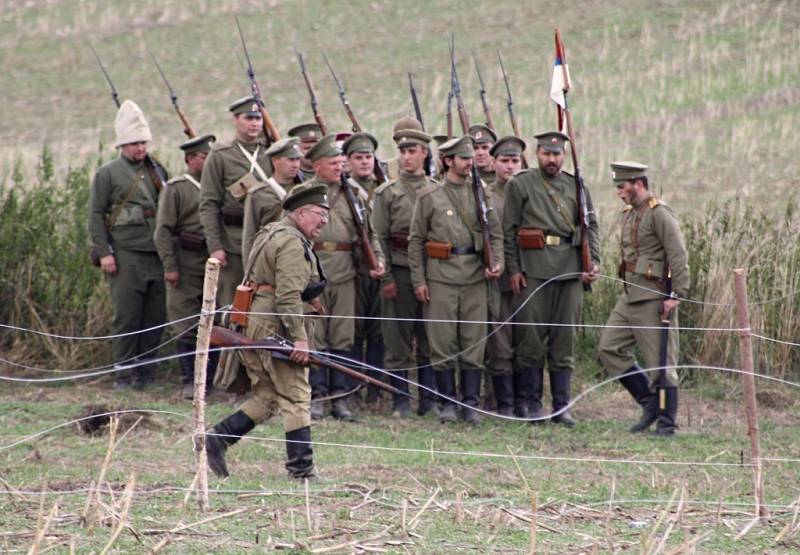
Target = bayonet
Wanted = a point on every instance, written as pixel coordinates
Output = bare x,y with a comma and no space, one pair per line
482,92
510,105
114,94
187,128
311,93
342,95
270,130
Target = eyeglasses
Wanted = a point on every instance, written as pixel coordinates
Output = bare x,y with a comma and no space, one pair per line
321,214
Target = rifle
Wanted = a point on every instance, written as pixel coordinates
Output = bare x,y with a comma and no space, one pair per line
450,114
311,93
270,130
481,206
378,172
482,92
281,348
157,175
430,167
580,189
359,214
510,105
662,358
187,128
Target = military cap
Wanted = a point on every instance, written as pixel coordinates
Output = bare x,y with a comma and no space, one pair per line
508,146
198,144
306,193
325,148
406,122
459,146
306,132
409,137
285,148
482,134
247,105
551,141
627,171
440,139
359,142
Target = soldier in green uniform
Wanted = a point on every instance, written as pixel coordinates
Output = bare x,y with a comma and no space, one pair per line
287,278
232,168
653,252
484,139
182,248
122,217
445,248
359,149
392,211
308,134
541,238
262,204
393,164
335,247
507,155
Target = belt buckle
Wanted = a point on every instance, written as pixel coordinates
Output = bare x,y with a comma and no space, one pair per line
329,246
552,240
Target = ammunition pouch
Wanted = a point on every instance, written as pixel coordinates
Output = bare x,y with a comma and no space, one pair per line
233,216
438,249
313,290
242,301
531,238
192,241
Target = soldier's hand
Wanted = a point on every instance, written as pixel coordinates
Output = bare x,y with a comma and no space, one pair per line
109,264
389,291
423,294
172,278
667,306
492,274
378,272
300,353
591,277
518,282
220,255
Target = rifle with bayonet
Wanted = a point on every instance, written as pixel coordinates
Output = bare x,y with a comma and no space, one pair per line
187,128
282,348
510,105
450,114
481,205
430,167
378,172
156,171
359,213
311,93
482,92
662,358
580,189
270,130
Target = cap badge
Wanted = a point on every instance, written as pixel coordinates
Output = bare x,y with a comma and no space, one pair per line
254,108
613,175
479,134
312,133
449,212
554,140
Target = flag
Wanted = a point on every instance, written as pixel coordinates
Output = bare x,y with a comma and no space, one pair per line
559,83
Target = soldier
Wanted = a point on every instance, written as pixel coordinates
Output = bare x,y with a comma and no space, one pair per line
653,258
122,212
231,169
447,270
393,208
507,155
393,164
541,236
309,134
183,252
287,278
484,139
335,248
262,204
368,345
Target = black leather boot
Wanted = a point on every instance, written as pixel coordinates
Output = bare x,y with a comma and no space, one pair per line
470,395
230,431
638,386
339,384
375,352
299,454
504,394
536,390
522,392
318,379
446,385
560,391
400,403
144,373
427,399
186,364
667,421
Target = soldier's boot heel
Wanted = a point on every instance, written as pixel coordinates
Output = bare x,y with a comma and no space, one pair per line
504,394
226,433
446,386
668,418
535,412
560,391
299,454
427,397
471,395
638,386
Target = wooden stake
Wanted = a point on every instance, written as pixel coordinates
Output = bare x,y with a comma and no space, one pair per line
749,387
534,509
200,363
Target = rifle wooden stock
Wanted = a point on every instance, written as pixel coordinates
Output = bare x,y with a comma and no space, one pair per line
449,115
482,213
224,337
360,220
312,94
187,128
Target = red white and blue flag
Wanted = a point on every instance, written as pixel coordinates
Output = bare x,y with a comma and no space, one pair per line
561,81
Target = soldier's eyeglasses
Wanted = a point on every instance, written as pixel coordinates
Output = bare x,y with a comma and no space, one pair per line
320,214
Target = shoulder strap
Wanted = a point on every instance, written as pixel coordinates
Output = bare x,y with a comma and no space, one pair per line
112,219
559,205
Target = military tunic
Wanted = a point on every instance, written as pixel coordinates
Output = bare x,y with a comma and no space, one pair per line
548,204
261,207
222,197
500,347
457,285
651,242
137,288
283,258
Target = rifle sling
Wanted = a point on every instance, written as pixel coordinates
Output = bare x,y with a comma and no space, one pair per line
559,205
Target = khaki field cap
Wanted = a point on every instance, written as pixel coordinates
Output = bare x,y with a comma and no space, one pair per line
285,148
325,148
306,193
130,125
200,143
247,105
440,139
482,134
460,146
551,141
410,137
406,122
508,146
306,132
627,171
359,142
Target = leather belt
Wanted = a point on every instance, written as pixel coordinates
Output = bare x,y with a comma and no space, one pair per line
265,287
332,246
399,241
463,250
556,240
